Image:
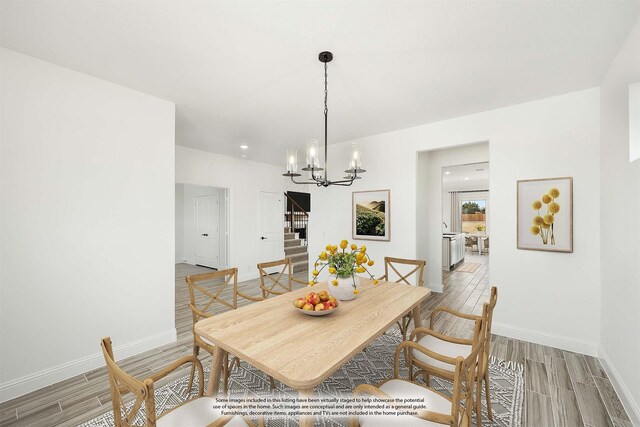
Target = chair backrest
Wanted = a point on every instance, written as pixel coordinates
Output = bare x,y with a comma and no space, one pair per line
209,288
277,285
493,300
470,241
486,242
399,266
466,370
120,384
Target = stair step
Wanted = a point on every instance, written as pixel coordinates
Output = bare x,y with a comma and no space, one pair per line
299,257
289,236
290,250
300,266
292,242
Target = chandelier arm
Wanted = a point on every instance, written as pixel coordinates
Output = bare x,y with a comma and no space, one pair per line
302,182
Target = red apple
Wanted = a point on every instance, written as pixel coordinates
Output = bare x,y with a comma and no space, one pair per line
334,301
324,295
307,306
328,305
313,298
319,307
300,302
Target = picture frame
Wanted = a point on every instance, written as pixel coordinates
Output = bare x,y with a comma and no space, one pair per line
545,214
371,215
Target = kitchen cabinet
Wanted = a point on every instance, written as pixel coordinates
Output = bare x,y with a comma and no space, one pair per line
453,250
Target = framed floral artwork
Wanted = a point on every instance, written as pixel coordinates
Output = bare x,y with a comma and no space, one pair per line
371,216
545,214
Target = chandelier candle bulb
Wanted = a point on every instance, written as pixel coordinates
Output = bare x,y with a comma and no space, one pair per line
312,154
292,161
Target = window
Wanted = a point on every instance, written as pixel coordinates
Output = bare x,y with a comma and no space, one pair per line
474,216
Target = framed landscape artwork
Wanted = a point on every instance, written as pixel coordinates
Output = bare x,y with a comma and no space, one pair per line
371,218
545,214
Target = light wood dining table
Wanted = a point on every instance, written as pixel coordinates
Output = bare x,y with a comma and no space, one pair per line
302,351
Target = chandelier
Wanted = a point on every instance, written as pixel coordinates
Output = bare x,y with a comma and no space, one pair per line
317,174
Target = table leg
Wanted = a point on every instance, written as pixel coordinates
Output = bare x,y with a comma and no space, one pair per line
417,318
216,369
305,421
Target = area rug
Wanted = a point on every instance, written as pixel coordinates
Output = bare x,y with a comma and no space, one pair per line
372,366
467,267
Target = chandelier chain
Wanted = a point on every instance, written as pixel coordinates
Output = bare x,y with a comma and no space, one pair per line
326,92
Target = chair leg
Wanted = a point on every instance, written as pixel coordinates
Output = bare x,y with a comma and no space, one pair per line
272,382
479,402
427,379
196,350
487,394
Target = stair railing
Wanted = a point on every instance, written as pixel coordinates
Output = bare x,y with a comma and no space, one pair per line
297,219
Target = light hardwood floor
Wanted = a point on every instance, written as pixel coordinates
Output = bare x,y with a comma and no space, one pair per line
562,388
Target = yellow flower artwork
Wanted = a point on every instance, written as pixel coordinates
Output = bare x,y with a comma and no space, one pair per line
553,207
545,214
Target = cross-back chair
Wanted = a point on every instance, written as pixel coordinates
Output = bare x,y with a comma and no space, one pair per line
195,412
274,284
207,292
440,409
399,266
454,346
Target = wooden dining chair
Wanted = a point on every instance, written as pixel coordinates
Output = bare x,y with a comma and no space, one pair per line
454,410
207,292
395,271
453,347
274,284
194,413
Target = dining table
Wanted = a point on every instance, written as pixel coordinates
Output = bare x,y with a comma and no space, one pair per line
300,350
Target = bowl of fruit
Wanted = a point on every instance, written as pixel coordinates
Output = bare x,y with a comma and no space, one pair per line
317,304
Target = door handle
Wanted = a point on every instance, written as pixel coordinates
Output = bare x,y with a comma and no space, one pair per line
263,238
204,234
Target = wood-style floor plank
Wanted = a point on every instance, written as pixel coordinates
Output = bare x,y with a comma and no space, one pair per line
565,408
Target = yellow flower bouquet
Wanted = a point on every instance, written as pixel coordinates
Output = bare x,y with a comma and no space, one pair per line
343,264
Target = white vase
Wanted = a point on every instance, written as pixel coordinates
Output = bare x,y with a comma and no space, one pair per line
344,290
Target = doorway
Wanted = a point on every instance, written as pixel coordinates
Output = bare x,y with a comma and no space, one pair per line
202,231
447,184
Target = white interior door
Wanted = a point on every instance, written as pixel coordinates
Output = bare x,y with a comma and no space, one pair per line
208,231
270,228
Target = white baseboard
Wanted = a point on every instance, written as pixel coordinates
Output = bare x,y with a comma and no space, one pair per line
181,261
37,380
551,340
632,407
437,287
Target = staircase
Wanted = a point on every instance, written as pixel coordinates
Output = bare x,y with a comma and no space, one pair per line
294,249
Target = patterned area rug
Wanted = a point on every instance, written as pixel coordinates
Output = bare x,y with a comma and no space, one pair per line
371,366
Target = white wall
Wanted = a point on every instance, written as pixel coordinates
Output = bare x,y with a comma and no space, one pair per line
429,203
552,137
87,222
180,257
620,228
244,179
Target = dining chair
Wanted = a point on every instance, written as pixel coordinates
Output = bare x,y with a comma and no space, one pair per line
278,285
194,412
470,242
454,410
206,290
486,245
453,347
393,265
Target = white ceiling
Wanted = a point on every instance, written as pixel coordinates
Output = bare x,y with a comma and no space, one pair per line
473,176
247,72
